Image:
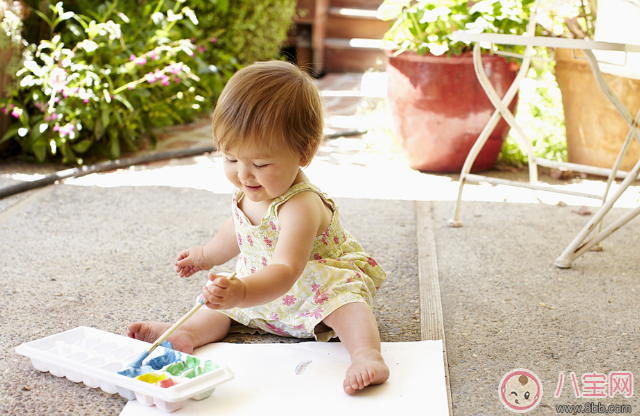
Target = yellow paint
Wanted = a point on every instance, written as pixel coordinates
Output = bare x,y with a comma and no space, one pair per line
151,378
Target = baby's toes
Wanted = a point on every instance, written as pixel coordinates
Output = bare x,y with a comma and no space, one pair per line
351,384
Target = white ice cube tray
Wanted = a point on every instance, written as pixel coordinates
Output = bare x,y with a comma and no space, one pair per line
94,357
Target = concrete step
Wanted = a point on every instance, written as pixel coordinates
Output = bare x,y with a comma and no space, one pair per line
353,43
353,13
353,55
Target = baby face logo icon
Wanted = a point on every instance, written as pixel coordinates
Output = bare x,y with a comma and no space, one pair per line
520,390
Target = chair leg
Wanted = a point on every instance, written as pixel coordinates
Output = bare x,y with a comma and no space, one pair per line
501,110
576,248
468,163
633,132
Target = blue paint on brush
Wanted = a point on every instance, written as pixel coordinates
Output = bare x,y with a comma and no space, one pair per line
136,368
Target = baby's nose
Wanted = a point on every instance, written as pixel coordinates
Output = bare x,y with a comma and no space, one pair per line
244,173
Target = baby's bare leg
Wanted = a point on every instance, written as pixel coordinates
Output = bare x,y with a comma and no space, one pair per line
204,327
358,331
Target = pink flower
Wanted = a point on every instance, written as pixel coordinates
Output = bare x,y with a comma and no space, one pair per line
276,330
201,49
140,61
317,256
289,300
320,297
316,314
275,317
336,240
16,113
315,287
372,262
150,77
66,130
165,81
214,40
153,55
174,69
132,57
268,242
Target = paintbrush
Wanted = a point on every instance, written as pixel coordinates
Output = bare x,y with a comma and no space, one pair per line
138,362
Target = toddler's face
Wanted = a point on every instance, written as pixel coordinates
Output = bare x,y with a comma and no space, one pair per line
262,174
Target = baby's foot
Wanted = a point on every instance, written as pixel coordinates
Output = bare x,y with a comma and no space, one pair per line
367,368
151,331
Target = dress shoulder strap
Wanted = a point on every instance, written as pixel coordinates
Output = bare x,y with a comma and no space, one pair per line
296,189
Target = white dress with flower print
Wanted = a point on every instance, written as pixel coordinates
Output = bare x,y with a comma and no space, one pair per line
338,272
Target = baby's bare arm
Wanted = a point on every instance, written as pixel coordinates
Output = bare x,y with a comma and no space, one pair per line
222,248
224,245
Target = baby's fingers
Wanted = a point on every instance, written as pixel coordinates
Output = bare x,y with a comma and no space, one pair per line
219,281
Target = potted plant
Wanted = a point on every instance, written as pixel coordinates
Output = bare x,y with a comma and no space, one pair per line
438,106
595,130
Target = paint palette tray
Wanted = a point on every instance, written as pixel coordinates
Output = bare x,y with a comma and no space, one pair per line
94,357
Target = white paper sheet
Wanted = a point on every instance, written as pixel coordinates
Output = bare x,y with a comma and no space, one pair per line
266,383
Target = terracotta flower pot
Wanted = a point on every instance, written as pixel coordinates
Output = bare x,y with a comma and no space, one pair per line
439,109
595,129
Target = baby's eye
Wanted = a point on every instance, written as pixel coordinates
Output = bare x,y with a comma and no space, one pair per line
230,160
260,166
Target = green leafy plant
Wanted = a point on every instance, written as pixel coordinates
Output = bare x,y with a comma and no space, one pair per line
248,30
426,26
103,82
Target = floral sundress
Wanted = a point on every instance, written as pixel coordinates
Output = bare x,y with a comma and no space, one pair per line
338,272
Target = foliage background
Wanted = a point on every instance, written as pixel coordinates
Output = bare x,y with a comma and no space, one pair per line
101,78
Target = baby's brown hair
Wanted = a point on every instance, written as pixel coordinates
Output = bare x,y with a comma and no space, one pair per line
270,103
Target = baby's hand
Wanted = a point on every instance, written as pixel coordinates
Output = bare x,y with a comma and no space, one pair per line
191,261
223,293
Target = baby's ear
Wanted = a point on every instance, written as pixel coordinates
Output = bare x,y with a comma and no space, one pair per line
306,160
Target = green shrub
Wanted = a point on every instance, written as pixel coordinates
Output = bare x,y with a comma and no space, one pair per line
250,30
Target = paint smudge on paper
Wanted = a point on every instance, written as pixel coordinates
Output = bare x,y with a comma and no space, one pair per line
301,367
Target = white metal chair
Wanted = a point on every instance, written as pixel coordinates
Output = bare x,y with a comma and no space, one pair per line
580,244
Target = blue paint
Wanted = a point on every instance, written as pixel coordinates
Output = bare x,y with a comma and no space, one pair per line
138,362
170,356
136,368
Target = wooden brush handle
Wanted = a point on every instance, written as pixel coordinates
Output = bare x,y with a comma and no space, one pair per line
182,320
